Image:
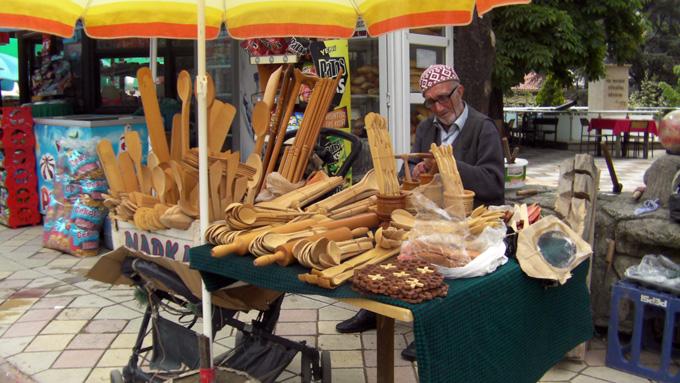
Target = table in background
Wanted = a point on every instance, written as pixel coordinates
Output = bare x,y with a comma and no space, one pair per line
503,327
624,126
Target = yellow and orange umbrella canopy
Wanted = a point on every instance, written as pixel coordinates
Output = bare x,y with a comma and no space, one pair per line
243,18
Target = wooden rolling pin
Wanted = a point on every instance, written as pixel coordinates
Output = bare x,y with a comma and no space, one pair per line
241,243
284,253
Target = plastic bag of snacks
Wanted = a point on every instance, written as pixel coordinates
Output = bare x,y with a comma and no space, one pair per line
75,213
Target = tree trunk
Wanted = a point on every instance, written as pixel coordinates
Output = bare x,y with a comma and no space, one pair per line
474,54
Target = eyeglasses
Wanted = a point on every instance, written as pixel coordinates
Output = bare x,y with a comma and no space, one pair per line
443,99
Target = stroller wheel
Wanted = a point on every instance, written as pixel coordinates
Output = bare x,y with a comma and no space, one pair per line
326,367
116,376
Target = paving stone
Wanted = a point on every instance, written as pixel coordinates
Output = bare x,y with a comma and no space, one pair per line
558,375
298,316
77,313
295,328
9,317
126,341
299,302
70,375
99,375
401,375
64,327
369,341
595,358
24,274
309,340
609,374
587,379
91,285
230,341
17,304
340,342
90,301
348,375
347,359
63,262
11,346
571,365
21,329
29,293
78,358
335,313
133,326
49,342
91,341
68,291
114,358
327,326
52,303
39,315
105,326
371,358
33,362
117,312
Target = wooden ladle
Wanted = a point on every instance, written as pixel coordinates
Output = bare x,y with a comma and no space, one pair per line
184,93
260,124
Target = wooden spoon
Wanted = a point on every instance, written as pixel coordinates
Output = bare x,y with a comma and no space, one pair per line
215,178
255,162
127,171
152,114
403,219
134,147
111,169
221,116
158,176
176,138
260,124
184,93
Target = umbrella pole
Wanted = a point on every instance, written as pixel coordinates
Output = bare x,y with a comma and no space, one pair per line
203,165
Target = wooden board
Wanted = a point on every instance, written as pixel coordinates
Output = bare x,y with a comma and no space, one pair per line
152,114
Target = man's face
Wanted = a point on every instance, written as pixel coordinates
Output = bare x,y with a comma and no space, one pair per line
445,101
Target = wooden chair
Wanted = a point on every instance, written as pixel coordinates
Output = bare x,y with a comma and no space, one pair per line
589,138
639,138
551,122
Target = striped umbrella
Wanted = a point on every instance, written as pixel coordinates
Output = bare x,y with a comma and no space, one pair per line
243,18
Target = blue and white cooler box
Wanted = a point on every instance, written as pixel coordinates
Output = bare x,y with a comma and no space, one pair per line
49,132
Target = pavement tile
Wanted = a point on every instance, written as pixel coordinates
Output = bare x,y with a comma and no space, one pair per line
586,379
335,313
401,375
67,291
609,374
595,358
295,328
126,341
298,315
45,282
347,359
24,274
52,303
77,313
556,374
91,341
39,315
105,326
327,326
90,301
6,293
99,375
22,329
114,358
133,326
64,327
300,302
369,341
371,358
571,365
348,375
33,362
340,342
70,375
11,346
9,317
29,293
309,340
17,304
49,342
117,312
78,358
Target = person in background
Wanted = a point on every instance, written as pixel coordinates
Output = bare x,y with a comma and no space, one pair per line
476,147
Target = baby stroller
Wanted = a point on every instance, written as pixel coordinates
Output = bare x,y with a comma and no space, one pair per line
174,350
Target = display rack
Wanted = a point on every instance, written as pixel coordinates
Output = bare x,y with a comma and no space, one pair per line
18,180
274,59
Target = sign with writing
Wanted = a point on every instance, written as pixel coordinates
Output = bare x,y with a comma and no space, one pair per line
610,92
171,243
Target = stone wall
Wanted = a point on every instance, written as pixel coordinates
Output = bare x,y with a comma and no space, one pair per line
634,236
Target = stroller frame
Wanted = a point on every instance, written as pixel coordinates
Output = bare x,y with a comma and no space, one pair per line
147,276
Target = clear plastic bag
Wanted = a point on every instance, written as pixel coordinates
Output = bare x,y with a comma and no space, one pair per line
656,270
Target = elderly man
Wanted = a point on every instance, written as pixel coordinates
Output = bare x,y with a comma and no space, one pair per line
476,147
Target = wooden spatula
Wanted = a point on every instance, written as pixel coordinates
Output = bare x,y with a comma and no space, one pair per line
215,178
219,123
134,148
255,162
260,124
184,93
176,138
127,171
111,170
152,114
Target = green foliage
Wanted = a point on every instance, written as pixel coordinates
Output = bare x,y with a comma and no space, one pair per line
551,93
564,37
672,94
654,93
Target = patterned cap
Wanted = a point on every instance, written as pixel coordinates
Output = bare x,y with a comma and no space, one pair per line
435,74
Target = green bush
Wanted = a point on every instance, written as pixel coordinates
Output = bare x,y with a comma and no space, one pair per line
551,93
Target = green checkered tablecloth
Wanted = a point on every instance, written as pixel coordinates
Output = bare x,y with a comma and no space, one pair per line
503,327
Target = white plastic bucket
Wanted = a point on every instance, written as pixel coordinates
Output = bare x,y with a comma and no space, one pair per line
516,174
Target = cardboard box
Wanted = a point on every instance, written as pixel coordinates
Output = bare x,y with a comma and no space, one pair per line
171,243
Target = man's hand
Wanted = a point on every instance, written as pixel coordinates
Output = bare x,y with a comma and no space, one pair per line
423,166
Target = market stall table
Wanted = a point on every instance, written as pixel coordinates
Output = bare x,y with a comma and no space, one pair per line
501,327
623,127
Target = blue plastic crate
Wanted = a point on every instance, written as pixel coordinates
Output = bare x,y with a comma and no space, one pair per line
648,304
